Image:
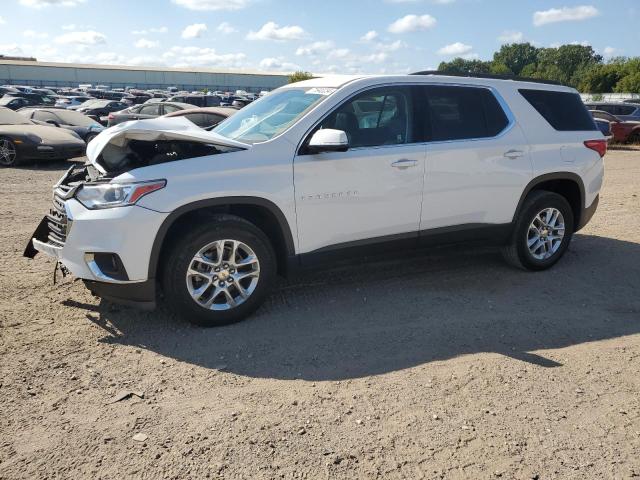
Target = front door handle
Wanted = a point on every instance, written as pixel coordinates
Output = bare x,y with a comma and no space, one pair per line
514,154
404,164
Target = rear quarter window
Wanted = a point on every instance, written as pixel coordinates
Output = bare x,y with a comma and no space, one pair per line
564,111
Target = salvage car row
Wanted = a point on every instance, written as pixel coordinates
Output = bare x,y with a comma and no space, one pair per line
55,133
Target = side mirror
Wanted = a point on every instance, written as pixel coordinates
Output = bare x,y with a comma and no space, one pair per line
328,140
53,122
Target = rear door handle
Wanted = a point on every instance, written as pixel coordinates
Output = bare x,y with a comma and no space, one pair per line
514,154
404,164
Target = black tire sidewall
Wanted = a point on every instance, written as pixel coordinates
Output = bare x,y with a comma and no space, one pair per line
541,201
183,251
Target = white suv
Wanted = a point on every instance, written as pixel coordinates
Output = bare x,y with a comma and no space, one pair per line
334,165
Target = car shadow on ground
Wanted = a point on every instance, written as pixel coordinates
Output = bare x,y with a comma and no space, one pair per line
384,316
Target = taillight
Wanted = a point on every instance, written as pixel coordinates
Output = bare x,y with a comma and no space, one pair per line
599,146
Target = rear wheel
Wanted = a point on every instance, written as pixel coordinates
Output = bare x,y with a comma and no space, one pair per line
219,272
542,233
8,153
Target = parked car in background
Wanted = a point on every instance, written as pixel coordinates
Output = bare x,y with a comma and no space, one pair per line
197,100
206,118
14,103
22,140
74,101
33,98
623,131
100,108
145,111
8,89
605,128
87,128
624,111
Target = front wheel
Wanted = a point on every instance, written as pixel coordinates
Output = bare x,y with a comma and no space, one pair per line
219,272
8,153
542,233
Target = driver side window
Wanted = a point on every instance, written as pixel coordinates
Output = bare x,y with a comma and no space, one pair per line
377,117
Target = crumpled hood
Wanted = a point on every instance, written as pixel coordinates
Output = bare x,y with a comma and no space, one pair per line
155,129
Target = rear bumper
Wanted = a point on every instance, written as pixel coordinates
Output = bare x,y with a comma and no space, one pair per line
587,213
139,294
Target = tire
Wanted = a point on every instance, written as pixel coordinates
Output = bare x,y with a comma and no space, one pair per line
9,156
634,138
518,252
181,285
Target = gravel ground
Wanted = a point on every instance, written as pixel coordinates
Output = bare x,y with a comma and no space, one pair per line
450,365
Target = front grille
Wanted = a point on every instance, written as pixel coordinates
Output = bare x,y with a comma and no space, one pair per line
57,217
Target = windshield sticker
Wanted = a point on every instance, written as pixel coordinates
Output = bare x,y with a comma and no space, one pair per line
320,91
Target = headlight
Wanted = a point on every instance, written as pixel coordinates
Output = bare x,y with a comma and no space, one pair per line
109,195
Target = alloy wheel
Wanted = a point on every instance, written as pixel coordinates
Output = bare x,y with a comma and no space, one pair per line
223,274
545,233
7,152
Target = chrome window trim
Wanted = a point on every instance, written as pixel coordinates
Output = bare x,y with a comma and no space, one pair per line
501,101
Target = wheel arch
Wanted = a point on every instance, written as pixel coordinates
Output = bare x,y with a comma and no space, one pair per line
263,213
567,184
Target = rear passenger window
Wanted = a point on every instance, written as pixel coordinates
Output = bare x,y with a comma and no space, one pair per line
564,111
458,113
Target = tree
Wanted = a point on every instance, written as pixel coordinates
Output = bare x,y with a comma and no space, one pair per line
629,84
516,56
461,65
299,76
601,78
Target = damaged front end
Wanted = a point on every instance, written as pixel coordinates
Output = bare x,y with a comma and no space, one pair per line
118,150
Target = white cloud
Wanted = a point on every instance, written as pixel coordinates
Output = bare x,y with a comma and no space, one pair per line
226,28
315,48
583,43
34,34
369,36
150,30
202,57
457,48
212,4
51,3
609,52
71,26
339,53
144,43
272,31
511,36
279,64
11,49
564,14
2,21
411,23
390,47
87,38
375,57
194,31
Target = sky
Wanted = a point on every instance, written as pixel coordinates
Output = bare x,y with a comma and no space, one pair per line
341,36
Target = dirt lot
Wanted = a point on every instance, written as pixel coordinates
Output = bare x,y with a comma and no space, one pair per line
448,366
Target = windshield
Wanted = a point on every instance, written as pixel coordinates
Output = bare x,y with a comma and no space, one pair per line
9,117
271,115
71,117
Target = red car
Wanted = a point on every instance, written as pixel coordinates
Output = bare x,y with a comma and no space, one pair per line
624,131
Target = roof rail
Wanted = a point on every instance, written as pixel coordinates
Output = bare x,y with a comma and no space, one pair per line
487,75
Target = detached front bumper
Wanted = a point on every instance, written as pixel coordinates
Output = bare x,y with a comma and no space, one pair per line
109,249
